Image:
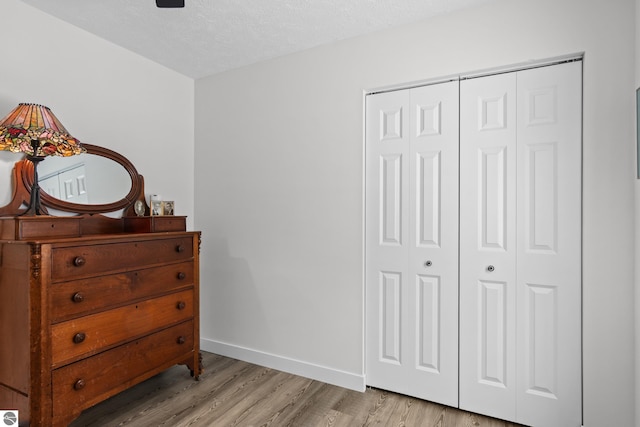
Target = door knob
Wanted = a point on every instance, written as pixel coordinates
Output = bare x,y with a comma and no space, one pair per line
428,263
490,268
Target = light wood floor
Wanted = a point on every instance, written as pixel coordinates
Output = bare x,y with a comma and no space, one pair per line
235,393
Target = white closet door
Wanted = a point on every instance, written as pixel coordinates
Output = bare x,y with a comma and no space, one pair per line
488,245
549,246
387,238
521,214
412,242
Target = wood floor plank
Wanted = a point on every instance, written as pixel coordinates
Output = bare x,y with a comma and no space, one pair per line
338,419
229,401
235,393
311,405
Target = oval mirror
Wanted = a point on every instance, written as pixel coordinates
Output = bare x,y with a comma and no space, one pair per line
88,179
99,181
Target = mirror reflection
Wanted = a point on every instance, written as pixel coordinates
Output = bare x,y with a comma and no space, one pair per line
7,160
85,179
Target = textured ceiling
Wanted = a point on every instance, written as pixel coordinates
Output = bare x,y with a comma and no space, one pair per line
209,36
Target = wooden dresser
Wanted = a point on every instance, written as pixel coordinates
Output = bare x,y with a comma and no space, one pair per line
91,304
84,318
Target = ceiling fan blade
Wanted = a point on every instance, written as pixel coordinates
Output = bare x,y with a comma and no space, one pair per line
170,3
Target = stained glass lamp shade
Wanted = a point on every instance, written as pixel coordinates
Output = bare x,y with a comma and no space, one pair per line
34,130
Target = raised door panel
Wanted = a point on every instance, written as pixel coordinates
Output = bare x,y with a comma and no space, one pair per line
391,221
389,324
428,199
549,246
492,192
429,324
487,245
491,333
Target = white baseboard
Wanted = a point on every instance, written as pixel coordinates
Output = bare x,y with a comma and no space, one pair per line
285,364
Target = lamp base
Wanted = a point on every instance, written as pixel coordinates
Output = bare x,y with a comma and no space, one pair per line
34,208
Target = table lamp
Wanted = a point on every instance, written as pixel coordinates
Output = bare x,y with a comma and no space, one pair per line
34,130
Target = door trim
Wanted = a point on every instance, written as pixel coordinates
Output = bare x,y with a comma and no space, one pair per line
578,56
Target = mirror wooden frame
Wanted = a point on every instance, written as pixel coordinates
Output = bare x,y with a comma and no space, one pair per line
23,180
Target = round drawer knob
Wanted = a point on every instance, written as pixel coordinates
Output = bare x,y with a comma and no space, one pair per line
79,337
428,263
77,297
79,261
490,268
181,275
180,340
179,248
79,385
181,305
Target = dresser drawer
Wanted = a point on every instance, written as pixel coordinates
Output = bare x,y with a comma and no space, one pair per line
84,261
93,333
33,227
77,297
89,381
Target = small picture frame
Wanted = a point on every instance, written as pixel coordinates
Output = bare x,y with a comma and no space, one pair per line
156,208
167,207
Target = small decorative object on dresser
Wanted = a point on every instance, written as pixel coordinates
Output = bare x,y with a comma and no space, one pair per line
91,304
139,207
161,207
167,207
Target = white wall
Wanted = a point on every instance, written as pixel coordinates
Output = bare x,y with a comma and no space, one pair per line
279,181
104,95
